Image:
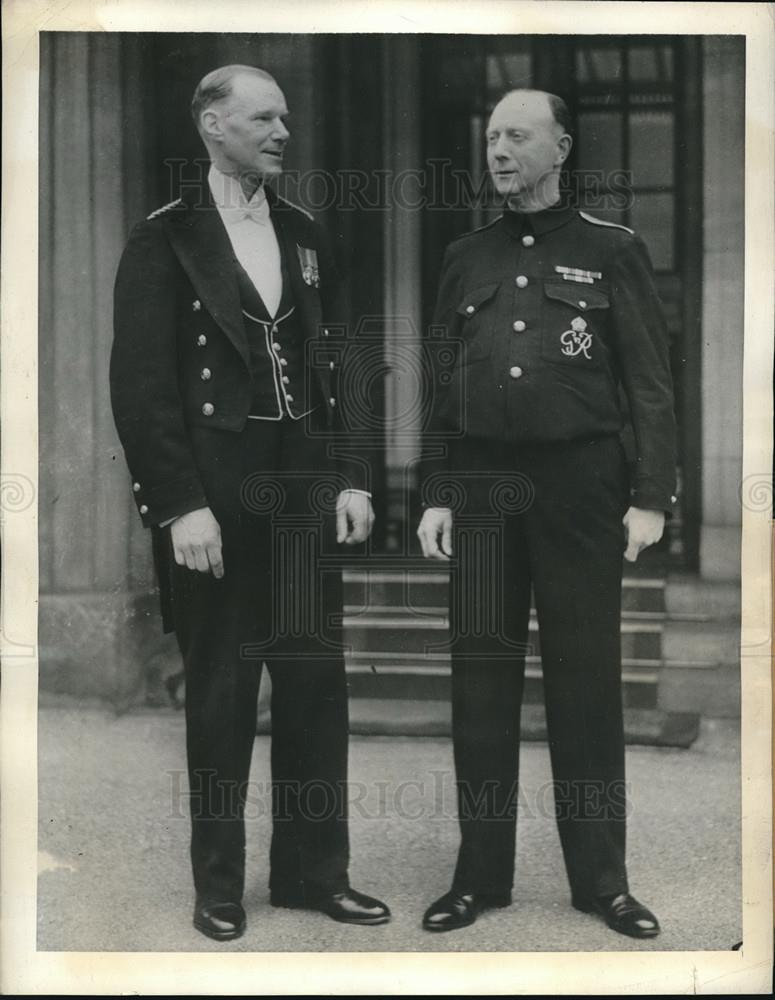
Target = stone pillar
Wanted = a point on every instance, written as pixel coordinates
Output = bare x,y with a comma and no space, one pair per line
722,306
402,273
94,552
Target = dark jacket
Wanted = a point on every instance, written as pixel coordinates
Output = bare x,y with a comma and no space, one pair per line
545,318
176,312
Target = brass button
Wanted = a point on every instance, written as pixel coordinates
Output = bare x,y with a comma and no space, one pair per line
515,372
136,487
582,304
205,375
528,241
208,409
289,397
519,325
196,305
201,340
325,333
331,365
332,401
143,509
283,362
470,309
286,380
276,346
521,281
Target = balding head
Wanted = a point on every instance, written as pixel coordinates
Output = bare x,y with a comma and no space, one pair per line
537,101
528,140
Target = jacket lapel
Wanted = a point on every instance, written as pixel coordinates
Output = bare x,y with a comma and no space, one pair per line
205,252
305,297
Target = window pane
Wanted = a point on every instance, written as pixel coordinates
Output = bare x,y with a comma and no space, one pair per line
598,65
651,63
507,71
653,219
651,148
599,141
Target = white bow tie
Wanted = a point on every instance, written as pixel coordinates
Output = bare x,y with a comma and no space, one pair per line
257,211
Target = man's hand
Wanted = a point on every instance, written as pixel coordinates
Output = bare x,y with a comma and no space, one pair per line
436,523
642,528
354,517
196,539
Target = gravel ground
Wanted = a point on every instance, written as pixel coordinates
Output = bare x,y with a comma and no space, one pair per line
113,846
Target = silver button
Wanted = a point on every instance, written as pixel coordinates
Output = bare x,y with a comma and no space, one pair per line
196,305
143,509
582,304
332,401
521,281
331,365
208,409
276,346
673,499
528,241
201,340
515,372
205,374
286,380
469,309
136,487
289,397
518,325
283,362
325,333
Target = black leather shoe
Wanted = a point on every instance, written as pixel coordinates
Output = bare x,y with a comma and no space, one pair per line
347,906
221,921
622,913
456,909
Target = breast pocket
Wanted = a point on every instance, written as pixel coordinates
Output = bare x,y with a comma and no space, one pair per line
574,325
477,309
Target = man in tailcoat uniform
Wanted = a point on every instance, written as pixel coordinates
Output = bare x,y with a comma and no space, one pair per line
553,313
224,396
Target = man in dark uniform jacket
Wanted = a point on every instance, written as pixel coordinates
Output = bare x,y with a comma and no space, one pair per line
552,312
224,398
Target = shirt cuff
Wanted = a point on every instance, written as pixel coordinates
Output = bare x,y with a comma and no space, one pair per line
364,493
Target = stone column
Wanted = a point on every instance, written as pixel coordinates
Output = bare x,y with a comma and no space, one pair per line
722,307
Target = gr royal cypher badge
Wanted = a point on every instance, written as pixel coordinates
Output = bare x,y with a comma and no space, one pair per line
308,259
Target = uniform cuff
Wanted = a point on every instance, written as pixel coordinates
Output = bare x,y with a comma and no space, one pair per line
648,496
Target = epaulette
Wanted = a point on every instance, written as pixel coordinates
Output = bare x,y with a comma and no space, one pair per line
298,208
478,229
164,209
603,222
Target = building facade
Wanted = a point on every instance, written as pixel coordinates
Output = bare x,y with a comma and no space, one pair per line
387,151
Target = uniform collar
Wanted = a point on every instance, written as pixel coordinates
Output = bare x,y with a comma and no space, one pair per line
537,223
230,200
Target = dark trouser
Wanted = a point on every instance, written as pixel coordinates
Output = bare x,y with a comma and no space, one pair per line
550,517
275,604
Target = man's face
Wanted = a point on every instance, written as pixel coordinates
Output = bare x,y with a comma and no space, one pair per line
525,145
250,127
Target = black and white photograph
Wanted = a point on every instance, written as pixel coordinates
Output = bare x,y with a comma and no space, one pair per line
397,487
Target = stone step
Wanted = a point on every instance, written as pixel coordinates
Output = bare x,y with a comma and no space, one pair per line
417,587
384,717
387,676
395,630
